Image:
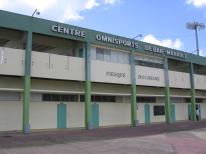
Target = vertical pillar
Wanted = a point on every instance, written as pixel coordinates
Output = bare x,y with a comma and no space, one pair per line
193,110
134,122
27,82
167,92
88,107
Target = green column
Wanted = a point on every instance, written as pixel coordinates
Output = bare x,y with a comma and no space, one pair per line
88,107
27,82
167,93
134,122
193,110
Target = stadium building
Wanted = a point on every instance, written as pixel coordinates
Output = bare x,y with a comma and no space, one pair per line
56,76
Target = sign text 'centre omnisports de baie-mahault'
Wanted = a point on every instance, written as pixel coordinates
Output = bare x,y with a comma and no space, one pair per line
105,38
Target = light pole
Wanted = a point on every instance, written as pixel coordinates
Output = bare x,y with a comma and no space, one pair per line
195,26
139,35
35,12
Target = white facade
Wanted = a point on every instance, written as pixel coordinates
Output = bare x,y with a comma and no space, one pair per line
57,74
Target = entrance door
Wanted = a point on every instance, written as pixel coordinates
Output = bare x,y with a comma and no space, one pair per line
173,112
198,112
95,115
147,113
61,115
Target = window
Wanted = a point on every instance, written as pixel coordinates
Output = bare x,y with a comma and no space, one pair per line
99,98
123,58
47,97
36,97
141,99
107,56
188,100
82,98
60,97
9,96
99,54
177,99
159,110
153,99
56,98
64,98
149,61
81,53
73,98
197,100
112,56
148,64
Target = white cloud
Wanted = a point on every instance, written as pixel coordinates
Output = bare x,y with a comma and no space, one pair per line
112,2
41,5
202,53
197,3
177,44
3,3
90,4
71,15
72,10
64,10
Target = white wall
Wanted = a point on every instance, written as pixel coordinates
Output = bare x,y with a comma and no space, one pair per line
75,115
200,81
57,66
40,64
203,110
179,79
111,114
181,111
10,115
43,115
140,113
100,69
147,73
11,61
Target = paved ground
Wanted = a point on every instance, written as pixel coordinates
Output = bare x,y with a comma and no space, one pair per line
154,139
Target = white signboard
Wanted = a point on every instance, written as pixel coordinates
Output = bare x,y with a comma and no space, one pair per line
110,72
149,76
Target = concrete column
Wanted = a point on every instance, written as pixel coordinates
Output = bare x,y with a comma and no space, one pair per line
193,103
88,107
167,92
134,122
27,83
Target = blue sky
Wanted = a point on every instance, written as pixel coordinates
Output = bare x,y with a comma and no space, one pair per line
160,22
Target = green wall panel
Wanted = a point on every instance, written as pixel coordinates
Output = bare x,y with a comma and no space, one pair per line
147,113
95,115
189,112
173,113
61,115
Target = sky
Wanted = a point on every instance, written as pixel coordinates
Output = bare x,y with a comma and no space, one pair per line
161,22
